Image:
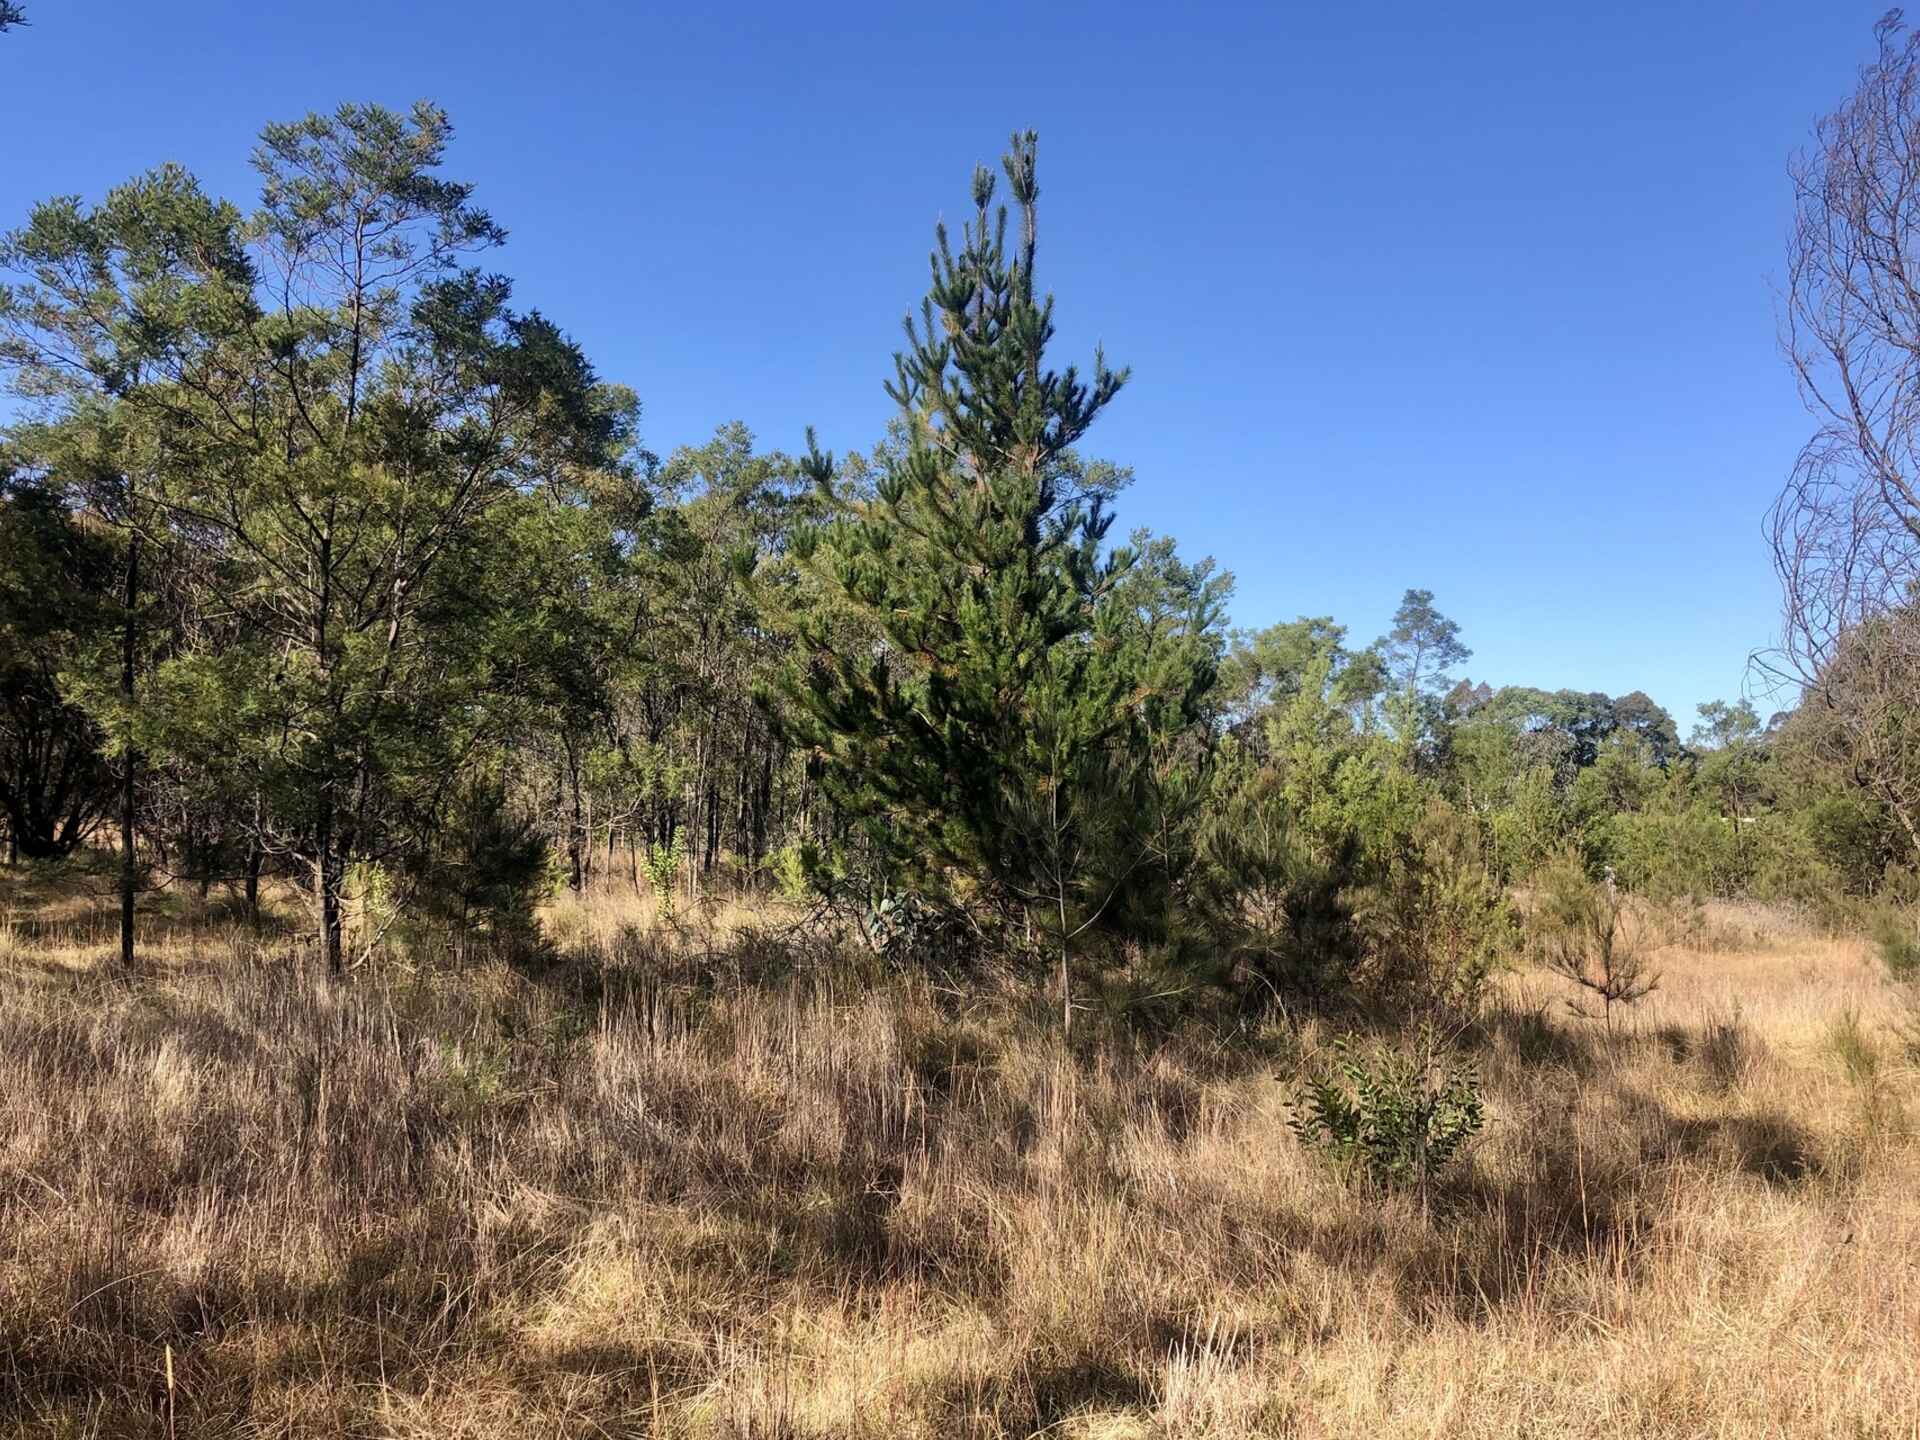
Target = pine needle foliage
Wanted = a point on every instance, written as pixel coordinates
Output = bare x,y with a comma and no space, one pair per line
995,748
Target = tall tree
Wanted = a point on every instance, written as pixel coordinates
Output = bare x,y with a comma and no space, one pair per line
340,405
1423,645
115,306
976,749
1845,529
1419,652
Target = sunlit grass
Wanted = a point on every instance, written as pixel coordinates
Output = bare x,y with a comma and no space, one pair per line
648,1189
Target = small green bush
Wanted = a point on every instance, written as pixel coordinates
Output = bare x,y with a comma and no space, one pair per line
488,869
791,868
1898,941
1583,930
662,864
1398,1117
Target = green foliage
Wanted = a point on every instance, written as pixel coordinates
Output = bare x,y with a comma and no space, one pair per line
1897,939
1530,826
1852,838
1436,922
1272,902
1584,931
1669,854
348,449
663,863
484,872
791,869
374,906
56,614
1018,738
1399,1117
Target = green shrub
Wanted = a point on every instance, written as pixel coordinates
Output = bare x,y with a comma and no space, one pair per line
1530,826
662,864
1670,854
484,874
1270,897
1584,931
1898,940
1398,1117
791,870
1436,923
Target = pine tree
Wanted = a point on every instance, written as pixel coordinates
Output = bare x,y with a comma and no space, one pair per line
991,748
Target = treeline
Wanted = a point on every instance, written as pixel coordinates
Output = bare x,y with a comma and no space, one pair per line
321,557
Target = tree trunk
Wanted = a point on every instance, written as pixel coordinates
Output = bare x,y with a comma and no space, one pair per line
762,804
576,871
254,856
331,877
713,827
129,763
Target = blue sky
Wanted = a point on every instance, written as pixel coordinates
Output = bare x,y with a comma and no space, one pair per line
1471,297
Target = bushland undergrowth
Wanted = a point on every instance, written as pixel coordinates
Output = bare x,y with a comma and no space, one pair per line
722,1180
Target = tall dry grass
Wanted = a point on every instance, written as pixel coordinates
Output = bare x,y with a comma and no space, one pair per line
716,1182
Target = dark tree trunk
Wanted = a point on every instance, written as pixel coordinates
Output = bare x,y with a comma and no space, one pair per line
254,856
129,763
713,828
577,875
762,804
331,878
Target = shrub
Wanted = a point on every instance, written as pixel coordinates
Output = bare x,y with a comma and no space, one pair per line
790,868
1670,854
1398,1117
1897,940
1270,900
1527,828
662,864
1583,931
373,906
1437,923
486,871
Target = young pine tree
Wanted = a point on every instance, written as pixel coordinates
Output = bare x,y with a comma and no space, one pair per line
991,747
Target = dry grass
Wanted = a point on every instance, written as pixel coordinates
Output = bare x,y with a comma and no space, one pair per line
712,1184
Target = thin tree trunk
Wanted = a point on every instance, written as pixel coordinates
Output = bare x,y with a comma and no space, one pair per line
576,875
713,827
330,879
129,763
254,856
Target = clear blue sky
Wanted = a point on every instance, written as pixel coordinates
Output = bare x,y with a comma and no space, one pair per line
1472,297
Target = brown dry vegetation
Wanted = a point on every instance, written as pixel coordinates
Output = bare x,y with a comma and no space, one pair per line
717,1183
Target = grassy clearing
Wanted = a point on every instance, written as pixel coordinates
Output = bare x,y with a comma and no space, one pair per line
711,1182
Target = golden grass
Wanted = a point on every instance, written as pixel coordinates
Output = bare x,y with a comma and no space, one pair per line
703,1183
